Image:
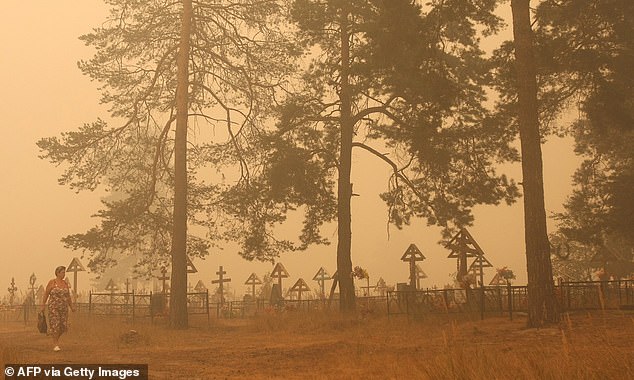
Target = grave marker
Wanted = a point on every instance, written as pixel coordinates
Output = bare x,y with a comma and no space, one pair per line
299,287
412,255
381,286
420,275
112,288
321,277
164,277
32,286
477,267
220,281
253,280
12,289
463,245
191,268
279,272
74,267
200,286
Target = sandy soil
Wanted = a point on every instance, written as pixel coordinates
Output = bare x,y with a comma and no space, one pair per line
305,346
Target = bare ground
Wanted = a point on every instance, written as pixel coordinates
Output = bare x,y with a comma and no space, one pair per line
319,346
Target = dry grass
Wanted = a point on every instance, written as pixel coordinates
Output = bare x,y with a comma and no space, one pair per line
325,345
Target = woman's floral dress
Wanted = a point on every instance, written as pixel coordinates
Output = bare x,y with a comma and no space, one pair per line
58,301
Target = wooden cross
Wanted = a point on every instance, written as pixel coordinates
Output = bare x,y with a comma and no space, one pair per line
299,287
497,280
12,289
74,267
164,277
253,280
190,266
112,287
463,245
220,281
32,286
420,275
200,286
279,272
412,255
321,277
477,267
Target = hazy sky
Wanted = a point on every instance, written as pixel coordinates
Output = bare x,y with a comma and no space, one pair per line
43,93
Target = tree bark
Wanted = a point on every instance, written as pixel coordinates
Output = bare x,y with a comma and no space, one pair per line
347,301
542,307
178,293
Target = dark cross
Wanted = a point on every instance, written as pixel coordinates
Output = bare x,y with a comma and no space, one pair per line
380,285
190,288
279,272
164,277
412,255
32,286
253,280
112,288
74,267
321,277
477,267
220,281
127,285
463,245
299,287
420,275
12,289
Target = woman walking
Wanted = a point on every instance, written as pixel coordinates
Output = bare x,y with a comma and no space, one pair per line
59,300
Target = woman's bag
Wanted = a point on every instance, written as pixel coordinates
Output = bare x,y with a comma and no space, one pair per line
41,322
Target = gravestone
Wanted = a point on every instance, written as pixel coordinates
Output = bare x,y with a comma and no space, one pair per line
276,298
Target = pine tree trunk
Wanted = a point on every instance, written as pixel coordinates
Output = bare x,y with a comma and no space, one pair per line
541,297
344,187
178,293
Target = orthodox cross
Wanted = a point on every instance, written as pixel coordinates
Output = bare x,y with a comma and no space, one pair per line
279,272
367,288
220,281
420,275
412,255
321,277
299,287
164,277
74,267
463,245
12,289
477,267
253,280
32,286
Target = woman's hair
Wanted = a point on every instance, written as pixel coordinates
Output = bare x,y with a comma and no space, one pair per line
59,269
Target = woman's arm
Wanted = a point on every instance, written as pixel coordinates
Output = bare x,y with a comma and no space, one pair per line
45,296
